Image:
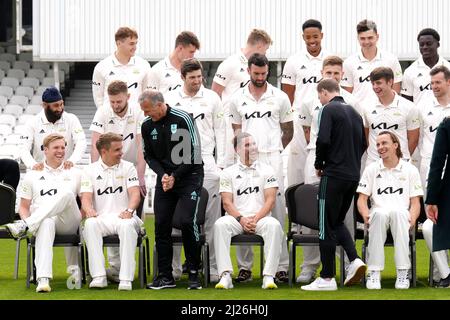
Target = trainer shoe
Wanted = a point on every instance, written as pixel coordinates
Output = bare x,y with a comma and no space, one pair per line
321,284
214,278
162,282
99,282
444,283
373,280
176,274
402,281
268,283
356,271
281,277
306,276
225,281
74,277
112,275
43,285
244,276
17,229
194,282
125,286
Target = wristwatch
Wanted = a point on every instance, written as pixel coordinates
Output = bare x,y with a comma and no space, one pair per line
129,210
238,218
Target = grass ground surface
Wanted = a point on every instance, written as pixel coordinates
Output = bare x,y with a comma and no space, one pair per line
16,290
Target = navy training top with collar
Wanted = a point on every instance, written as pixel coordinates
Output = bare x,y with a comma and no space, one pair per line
341,141
163,138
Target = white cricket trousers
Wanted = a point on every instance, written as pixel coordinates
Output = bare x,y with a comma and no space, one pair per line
108,224
213,212
440,258
268,228
424,169
244,254
379,222
59,216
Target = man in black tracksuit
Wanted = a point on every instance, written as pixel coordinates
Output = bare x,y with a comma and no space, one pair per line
340,144
172,150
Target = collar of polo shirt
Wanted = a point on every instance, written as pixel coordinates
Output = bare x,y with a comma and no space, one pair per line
268,93
47,167
44,119
245,167
169,64
398,167
394,103
116,62
106,167
362,58
199,94
320,56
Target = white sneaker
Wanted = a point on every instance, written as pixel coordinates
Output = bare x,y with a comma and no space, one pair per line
268,283
306,276
402,281
74,277
225,281
214,278
125,286
321,284
356,271
112,275
373,280
17,229
43,285
99,282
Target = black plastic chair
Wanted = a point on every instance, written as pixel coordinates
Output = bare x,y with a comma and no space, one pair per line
8,215
251,240
177,240
301,201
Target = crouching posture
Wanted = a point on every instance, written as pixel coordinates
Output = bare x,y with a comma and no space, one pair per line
248,190
110,196
48,206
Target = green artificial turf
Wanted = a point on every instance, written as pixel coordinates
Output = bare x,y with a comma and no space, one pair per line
16,289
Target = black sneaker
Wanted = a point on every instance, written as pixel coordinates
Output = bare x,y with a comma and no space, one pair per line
444,283
194,282
161,282
281,277
244,276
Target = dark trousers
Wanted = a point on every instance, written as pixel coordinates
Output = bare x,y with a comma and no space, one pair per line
183,197
9,172
335,197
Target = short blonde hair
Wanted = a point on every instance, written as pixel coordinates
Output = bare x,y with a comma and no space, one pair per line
52,137
105,139
259,35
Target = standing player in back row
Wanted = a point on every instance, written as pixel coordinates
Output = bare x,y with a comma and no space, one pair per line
357,67
165,75
123,65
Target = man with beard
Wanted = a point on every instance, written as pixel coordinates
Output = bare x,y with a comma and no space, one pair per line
53,119
265,112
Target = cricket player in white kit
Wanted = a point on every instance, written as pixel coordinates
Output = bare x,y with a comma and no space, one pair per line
232,75
248,190
394,188
165,75
431,115
309,119
52,119
123,65
110,196
206,109
266,113
123,117
389,112
48,206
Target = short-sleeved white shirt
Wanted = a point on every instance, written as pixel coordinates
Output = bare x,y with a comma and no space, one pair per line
262,118
135,73
357,71
109,185
247,184
310,110
390,188
232,74
431,115
207,110
129,126
41,186
417,80
38,127
303,71
165,77
399,117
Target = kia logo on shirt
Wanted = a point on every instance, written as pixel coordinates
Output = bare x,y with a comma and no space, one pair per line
247,191
109,190
135,85
384,126
50,192
432,129
201,116
131,136
423,88
311,80
389,190
258,114
366,79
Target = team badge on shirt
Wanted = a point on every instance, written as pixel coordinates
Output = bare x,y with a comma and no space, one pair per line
173,128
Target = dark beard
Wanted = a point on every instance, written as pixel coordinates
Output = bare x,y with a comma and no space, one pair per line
257,84
52,116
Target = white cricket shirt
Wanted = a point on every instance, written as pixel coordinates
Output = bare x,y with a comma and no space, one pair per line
165,77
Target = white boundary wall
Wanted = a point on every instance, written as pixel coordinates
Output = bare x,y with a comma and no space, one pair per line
83,30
